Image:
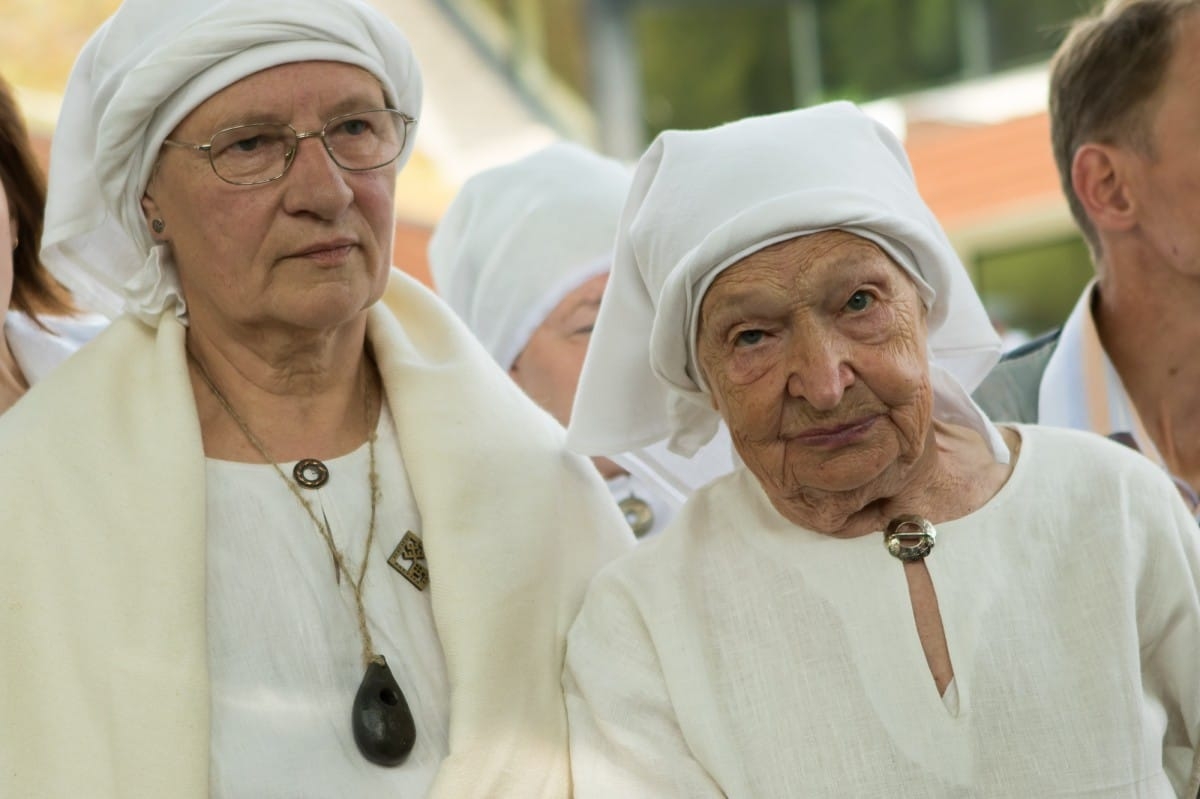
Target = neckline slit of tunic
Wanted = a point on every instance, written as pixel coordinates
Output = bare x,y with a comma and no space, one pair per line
931,632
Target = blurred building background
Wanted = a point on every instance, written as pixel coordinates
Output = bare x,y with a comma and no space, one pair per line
962,82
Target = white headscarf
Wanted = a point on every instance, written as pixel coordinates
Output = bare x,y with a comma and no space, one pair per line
519,238
703,200
141,73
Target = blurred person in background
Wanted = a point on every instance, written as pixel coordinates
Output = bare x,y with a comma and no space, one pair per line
1125,123
523,255
284,529
894,596
41,326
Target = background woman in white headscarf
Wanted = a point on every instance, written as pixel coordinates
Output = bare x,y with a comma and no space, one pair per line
39,327
894,597
284,529
522,255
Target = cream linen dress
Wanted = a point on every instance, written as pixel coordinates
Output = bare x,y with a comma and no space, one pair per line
104,617
739,655
285,658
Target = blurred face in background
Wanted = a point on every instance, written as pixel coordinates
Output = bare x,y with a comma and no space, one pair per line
1166,181
8,240
549,366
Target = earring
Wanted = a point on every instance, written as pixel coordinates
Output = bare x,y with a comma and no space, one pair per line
157,225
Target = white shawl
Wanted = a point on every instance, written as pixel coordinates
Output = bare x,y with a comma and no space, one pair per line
102,610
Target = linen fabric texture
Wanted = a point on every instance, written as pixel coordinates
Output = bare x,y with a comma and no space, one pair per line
145,69
284,650
517,239
103,608
738,655
703,200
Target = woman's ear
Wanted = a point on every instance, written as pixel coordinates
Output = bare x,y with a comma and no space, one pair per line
153,216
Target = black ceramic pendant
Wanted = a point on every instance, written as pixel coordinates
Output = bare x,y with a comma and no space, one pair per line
383,725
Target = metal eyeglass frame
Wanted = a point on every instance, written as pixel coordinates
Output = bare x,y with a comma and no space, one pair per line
300,136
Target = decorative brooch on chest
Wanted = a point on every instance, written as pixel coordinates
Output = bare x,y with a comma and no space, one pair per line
411,549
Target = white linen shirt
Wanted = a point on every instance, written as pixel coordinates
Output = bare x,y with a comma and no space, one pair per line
285,657
738,655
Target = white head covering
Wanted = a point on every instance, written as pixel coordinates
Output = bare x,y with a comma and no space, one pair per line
519,238
703,200
141,73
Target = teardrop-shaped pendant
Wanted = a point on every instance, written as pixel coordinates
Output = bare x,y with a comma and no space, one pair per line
384,730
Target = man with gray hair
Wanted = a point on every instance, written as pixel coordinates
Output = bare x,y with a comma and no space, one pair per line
1125,126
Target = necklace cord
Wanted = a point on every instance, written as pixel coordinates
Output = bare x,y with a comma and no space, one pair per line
339,561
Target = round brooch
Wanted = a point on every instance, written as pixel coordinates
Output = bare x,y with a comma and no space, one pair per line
311,473
639,515
909,537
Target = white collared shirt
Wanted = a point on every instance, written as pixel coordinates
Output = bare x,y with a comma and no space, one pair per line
1081,389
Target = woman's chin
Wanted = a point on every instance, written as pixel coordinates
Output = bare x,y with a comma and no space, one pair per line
324,310
848,472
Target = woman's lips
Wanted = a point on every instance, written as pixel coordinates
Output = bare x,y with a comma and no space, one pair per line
835,435
326,251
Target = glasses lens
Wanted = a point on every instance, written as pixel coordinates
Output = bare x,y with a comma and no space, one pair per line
367,139
252,153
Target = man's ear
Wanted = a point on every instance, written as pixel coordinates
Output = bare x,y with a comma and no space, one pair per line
1100,176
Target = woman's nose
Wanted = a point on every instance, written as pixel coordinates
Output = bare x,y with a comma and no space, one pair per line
818,373
316,184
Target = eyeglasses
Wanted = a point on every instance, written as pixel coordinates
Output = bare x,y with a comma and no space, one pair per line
246,155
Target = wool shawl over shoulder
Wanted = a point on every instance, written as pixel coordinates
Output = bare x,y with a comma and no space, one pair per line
103,653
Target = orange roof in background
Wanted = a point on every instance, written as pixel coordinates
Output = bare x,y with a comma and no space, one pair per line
968,173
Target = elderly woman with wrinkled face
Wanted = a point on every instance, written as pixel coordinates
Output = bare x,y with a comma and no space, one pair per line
284,529
894,596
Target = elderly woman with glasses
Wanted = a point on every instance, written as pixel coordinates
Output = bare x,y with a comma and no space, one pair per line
894,597
285,529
